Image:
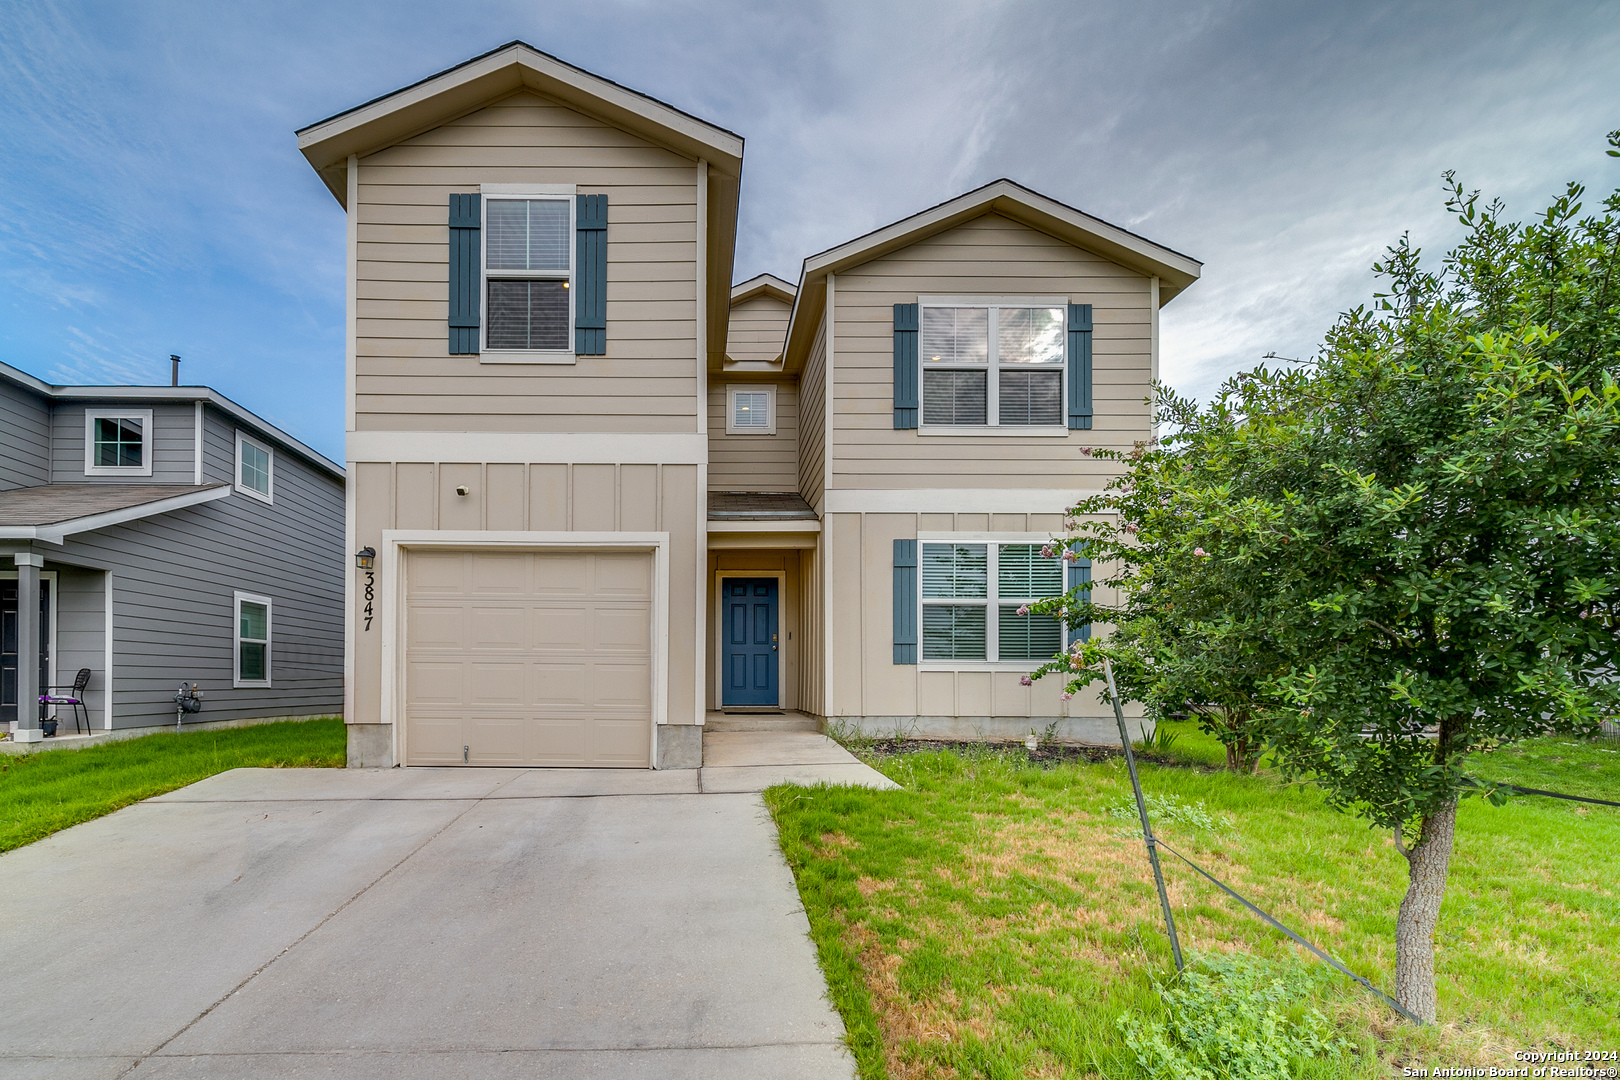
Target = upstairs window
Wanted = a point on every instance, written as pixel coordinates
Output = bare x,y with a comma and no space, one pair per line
992,365
971,598
750,410
528,269
254,468
118,442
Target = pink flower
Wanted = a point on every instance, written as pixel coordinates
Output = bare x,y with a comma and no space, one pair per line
1200,552
1070,556
1085,451
1024,609
1065,695
1047,552
1025,680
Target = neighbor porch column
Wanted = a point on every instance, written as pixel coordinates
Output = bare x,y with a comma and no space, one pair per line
28,646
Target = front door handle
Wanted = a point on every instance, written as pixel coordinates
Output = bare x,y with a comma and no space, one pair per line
773,648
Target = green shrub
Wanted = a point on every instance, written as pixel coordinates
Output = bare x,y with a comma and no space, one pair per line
1231,1018
1173,808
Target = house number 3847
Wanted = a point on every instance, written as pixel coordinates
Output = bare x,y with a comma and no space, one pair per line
371,594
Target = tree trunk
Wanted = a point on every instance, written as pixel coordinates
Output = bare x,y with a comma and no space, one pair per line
1428,862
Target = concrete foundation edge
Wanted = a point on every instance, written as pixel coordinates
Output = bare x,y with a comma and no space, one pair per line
79,742
371,746
680,746
1091,730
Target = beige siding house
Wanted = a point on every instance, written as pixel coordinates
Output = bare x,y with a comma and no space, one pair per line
599,495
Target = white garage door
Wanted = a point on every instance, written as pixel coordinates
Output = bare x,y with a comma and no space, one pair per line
528,658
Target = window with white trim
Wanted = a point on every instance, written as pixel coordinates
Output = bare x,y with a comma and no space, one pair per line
992,365
528,268
255,465
252,640
751,410
118,442
975,599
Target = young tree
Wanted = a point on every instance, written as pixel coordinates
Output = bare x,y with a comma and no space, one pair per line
1405,550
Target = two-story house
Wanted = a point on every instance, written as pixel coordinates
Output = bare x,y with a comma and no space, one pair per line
598,494
164,535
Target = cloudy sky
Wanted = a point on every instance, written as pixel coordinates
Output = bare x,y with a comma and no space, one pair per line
152,199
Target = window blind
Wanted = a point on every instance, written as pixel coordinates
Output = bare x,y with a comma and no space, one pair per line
955,335
1023,573
953,571
527,234
751,410
953,632
528,314
1027,637
1030,336
1031,397
955,397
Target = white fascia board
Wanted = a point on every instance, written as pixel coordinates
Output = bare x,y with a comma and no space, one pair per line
440,98
767,284
762,525
952,500
629,448
57,533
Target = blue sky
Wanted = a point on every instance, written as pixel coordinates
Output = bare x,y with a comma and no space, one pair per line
152,199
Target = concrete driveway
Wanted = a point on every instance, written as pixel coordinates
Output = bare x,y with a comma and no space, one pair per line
414,923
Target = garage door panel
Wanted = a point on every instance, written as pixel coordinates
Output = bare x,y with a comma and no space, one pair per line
529,658
498,573
438,573
560,628
436,626
624,575
622,629
436,682
502,628
560,575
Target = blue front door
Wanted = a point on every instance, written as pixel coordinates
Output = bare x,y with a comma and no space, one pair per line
751,646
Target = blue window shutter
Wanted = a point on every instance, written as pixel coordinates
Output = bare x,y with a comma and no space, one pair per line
465,253
1079,575
905,374
1080,367
905,600
590,275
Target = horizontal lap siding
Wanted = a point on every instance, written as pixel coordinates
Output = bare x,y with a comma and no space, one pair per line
173,442
757,329
25,438
405,378
812,418
989,256
755,462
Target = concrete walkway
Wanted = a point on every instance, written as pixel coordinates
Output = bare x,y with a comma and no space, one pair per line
416,923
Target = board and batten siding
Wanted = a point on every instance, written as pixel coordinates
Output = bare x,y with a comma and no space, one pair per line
405,379
757,330
988,256
25,437
813,420
539,497
754,462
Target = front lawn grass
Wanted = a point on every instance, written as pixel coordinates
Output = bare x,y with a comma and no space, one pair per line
997,919
43,792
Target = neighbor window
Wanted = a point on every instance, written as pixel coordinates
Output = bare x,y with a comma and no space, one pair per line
252,640
971,596
528,264
992,365
253,468
118,441
750,410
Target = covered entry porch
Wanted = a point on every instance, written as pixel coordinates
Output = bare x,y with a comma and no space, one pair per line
44,657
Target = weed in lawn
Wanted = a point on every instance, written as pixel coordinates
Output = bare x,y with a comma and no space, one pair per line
1173,808
1234,1018
1160,741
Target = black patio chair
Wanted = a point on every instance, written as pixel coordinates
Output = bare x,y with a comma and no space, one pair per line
80,681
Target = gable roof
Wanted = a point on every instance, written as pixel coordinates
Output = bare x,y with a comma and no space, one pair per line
470,85
764,285
52,512
1174,270
517,65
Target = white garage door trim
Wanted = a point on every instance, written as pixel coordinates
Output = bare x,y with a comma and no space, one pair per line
391,587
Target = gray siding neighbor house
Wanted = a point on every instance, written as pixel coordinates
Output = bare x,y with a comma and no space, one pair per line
164,535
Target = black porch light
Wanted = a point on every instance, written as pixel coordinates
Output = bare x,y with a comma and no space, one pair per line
366,558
